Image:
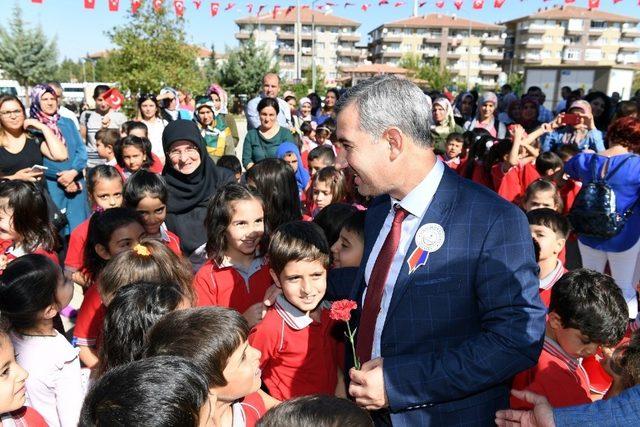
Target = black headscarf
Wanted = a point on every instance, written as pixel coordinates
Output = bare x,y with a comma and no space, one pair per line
187,192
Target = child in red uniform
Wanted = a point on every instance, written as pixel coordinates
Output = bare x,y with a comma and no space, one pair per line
215,340
13,393
110,232
550,230
454,151
299,353
146,193
134,153
550,167
587,310
236,275
104,187
24,222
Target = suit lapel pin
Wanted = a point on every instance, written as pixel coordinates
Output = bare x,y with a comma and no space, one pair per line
429,238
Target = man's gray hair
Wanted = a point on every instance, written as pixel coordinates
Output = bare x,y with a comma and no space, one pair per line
385,101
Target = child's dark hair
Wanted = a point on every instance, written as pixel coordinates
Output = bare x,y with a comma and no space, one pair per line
567,151
28,286
269,102
230,162
592,303
142,144
630,361
157,392
99,90
101,227
275,181
297,241
207,336
219,214
331,125
479,141
108,137
541,185
131,125
143,184
551,219
134,309
355,223
335,179
306,128
323,153
331,219
30,214
99,172
316,411
548,161
455,136
497,152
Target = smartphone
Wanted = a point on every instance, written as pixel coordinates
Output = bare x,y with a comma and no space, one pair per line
38,168
570,120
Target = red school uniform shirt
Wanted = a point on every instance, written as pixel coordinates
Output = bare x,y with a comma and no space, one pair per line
23,417
75,253
546,283
557,376
11,252
170,240
228,286
454,163
512,184
568,193
248,410
90,318
299,356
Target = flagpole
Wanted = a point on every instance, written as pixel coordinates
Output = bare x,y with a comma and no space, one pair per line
313,46
297,42
415,7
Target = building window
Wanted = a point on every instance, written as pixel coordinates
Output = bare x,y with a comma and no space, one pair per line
598,24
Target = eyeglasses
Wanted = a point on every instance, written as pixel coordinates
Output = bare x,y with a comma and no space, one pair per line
189,151
16,113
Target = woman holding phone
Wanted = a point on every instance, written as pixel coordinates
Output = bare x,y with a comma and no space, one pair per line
576,127
25,142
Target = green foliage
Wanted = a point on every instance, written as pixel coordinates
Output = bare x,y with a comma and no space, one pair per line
152,52
436,76
412,62
516,80
97,70
244,69
211,70
305,87
26,55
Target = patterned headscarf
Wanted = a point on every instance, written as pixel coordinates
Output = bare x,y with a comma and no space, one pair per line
35,111
448,125
217,89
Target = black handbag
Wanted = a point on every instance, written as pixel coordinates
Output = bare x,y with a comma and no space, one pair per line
594,210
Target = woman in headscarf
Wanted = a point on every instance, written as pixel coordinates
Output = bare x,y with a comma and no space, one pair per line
485,117
170,103
583,135
511,114
289,152
529,111
465,108
444,123
64,179
213,128
192,178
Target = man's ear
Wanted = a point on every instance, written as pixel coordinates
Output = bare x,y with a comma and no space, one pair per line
396,141
276,279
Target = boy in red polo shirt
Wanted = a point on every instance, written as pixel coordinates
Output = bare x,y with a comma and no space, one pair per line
298,341
550,230
587,310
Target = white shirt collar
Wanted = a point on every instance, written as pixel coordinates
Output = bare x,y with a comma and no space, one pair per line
551,278
292,316
418,199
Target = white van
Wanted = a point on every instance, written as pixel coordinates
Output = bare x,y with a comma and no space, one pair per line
12,87
73,93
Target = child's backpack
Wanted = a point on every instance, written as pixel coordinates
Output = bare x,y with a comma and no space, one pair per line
593,213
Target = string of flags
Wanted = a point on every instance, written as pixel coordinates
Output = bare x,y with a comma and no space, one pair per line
216,7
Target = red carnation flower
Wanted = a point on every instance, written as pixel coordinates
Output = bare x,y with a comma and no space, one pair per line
341,310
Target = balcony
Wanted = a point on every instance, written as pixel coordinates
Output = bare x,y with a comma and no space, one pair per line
493,41
533,42
491,54
391,38
536,28
349,37
455,55
392,54
348,52
286,50
574,30
630,30
243,35
629,46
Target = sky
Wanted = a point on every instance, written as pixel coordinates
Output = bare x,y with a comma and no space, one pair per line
80,31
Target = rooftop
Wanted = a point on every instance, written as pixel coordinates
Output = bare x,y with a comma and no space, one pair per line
306,15
440,20
573,12
374,69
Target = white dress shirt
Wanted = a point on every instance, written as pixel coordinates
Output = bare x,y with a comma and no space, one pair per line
416,203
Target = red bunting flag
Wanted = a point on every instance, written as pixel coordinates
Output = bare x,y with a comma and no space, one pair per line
250,8
422,3
498,3
114,98
478,4
616,1
229,6
113,5
197,4
440,4
399,4
594,4
458,4
569,1
89,4
275,11
329,3
135,5
289,10
381,2
347,4
260,9
214,8
36,1
157,5
365,7
178,6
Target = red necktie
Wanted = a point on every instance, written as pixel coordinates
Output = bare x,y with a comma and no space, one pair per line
375,288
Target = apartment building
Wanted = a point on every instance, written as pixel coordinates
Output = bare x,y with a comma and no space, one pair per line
331,37
471,50
569,35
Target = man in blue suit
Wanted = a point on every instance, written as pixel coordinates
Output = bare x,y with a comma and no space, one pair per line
448,283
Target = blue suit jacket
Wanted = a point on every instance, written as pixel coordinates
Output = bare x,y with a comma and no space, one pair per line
461,326
621,410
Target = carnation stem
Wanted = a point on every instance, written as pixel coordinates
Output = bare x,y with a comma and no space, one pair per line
356,360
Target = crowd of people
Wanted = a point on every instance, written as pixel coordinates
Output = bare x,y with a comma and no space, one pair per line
490,244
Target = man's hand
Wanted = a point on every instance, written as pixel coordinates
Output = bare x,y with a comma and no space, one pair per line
540,416
367,385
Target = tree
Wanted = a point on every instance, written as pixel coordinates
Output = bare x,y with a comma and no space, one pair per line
412,62
211,71
25,53
245,67
431,71
152,51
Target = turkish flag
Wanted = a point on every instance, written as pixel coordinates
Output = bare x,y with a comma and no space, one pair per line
89,4
178,6
440,4
381,2
569,1
229,6
197,4
458,4
498,3
135,5
250,8
275,11
594,4
261,8
214,8
113,5
157,5
422,3
365,7
36,1
398,4
114,98
289,10
478,4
